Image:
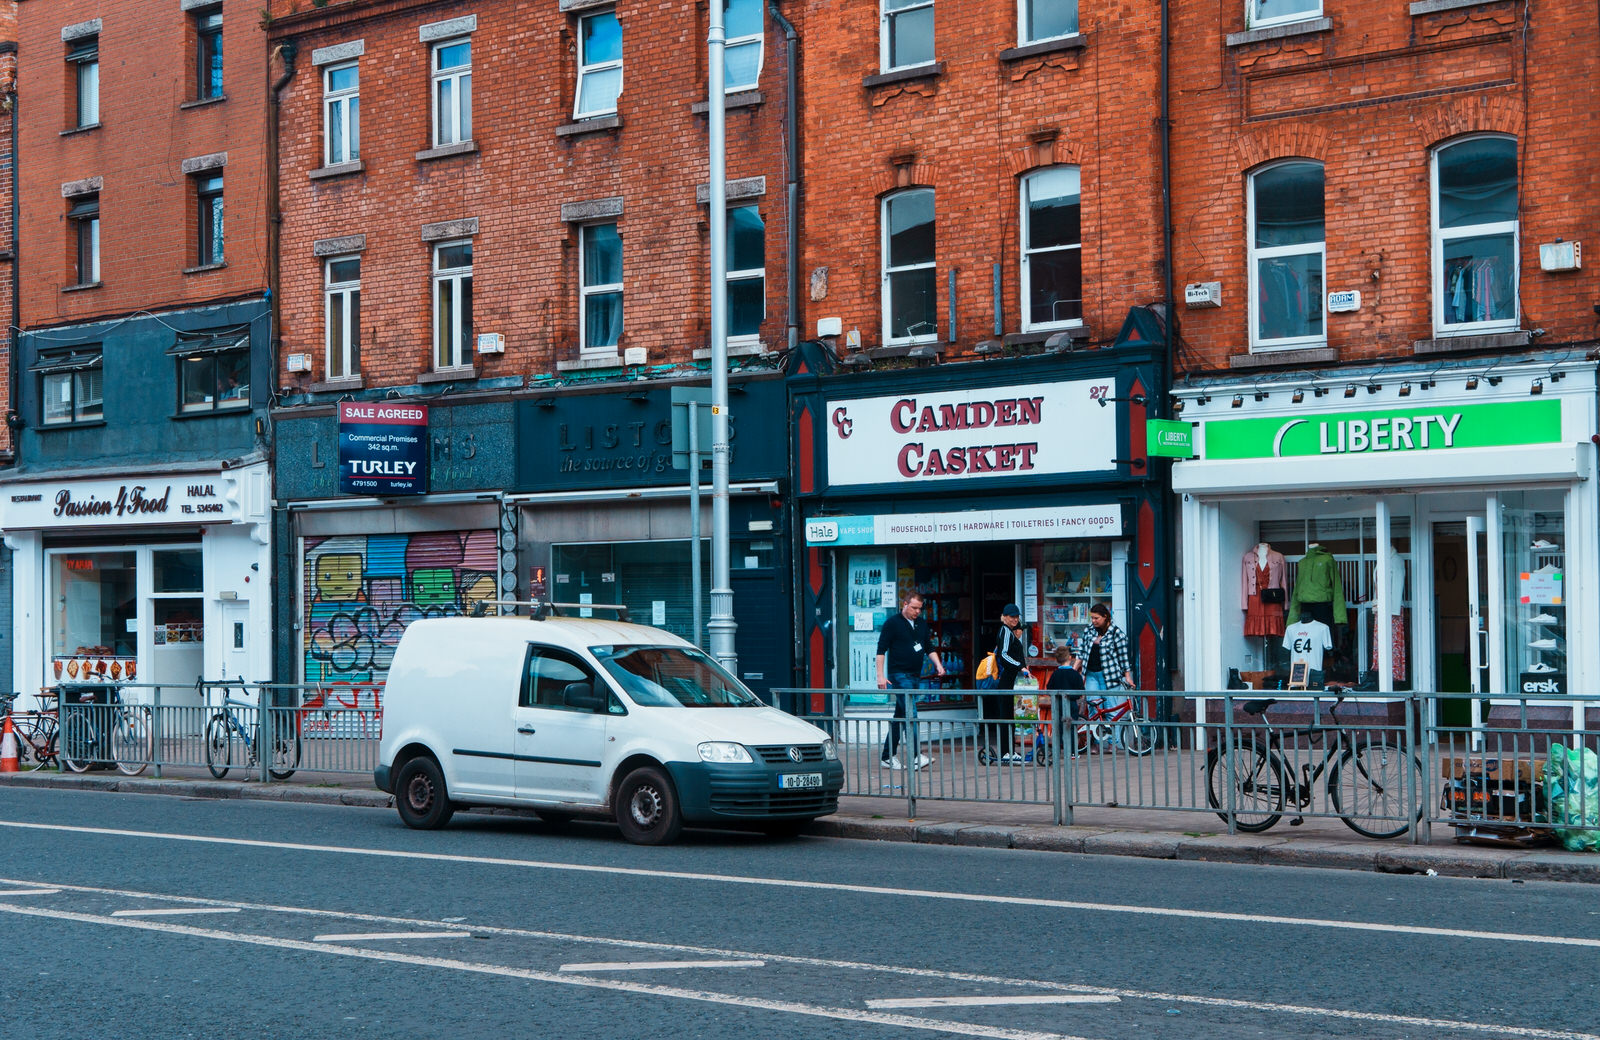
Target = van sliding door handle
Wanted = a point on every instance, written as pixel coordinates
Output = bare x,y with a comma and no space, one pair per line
524,729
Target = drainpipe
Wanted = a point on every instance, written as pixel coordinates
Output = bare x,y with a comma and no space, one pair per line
791,160
13,414
1162,409
287,51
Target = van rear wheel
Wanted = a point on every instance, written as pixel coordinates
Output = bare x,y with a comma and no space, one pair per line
420,796
647,808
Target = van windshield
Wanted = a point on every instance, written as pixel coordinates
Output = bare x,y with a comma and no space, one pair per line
673,676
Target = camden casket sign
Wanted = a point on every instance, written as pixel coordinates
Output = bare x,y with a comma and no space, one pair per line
383,448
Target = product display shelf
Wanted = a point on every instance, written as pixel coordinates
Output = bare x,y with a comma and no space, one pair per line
948,616
1545,625
1069,590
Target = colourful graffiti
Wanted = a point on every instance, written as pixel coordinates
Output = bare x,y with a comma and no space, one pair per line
361,591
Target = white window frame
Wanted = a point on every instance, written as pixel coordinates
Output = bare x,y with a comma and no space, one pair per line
585,290
759,39
1442,235
1253,255
887,282
1028,251
752,338
455,75
1253,20
886,19
77,380
347,291
590,68
450,279
1023,39
350,139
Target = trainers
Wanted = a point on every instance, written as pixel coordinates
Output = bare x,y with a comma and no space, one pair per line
1010,760
1541,545
1542,619
892,762
1540,668
1542,644
923,761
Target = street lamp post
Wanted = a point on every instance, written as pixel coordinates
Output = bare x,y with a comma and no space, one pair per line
720,628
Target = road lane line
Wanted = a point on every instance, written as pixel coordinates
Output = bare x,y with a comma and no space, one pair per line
531,975
364,936
647,965
1033,998
29,892
1229,1003
175,910
834,886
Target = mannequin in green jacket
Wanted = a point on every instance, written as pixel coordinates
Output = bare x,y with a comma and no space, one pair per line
1316,580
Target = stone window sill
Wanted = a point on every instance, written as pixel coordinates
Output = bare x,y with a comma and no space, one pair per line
203,268
883,79
85,128
585,364
1469,344
1278,32
1285,358
333,385
449,375
203,102
444,151
81,288
589,126
339,169
1075,42
738,99
86,425
745,349
207,412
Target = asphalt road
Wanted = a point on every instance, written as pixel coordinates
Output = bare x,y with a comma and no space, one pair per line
137,916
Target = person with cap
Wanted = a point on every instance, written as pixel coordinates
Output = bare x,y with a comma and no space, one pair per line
1010,657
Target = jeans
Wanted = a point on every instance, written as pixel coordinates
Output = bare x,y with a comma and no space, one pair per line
901,681
1096,681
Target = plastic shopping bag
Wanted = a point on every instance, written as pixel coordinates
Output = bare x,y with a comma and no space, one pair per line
1572,789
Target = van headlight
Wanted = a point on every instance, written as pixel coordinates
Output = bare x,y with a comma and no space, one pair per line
829,751
724,751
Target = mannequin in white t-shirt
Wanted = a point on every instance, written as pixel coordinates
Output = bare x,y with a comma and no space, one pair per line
1306,640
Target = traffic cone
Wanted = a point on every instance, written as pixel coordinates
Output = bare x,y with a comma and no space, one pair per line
8,749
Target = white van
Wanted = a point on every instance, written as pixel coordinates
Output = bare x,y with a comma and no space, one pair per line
583,716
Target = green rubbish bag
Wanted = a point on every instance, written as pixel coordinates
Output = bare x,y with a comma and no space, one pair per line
1572,789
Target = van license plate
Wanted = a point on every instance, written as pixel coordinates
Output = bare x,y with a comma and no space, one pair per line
789,781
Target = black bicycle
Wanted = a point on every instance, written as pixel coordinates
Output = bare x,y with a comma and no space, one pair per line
1367,783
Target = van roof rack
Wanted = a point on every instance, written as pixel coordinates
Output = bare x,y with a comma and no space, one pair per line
540,609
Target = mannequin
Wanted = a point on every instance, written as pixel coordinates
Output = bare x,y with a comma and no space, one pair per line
1318,588
1392,614
1262,591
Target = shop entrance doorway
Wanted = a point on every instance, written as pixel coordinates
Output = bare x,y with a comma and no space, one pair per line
1461,610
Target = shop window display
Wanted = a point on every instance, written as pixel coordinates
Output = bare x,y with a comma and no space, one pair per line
95,611
1074,578
1533,541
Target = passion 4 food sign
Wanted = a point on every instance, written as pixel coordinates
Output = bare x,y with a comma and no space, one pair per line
1039,429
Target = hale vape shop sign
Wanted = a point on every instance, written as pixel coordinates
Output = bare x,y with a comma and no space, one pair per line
383,448
168,499
1016,431
1495,425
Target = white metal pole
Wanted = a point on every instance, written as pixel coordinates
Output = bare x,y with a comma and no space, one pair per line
721,627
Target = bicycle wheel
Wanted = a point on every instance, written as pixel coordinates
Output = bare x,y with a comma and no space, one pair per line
285,748
1257,787
31,744
130,740
78,740
1081,738
1138,732
219,745
1368,788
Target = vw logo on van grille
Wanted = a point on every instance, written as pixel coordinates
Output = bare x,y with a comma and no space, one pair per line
794,754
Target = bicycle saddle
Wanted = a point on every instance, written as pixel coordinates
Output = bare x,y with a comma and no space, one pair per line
1257,707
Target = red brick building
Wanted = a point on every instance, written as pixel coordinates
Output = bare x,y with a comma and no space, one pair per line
8,239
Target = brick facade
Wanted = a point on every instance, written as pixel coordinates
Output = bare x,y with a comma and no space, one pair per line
525,180
1370,95
8,104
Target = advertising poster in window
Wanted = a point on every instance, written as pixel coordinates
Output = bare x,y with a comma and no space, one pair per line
383,448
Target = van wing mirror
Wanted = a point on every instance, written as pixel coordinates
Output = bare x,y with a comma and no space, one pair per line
581,695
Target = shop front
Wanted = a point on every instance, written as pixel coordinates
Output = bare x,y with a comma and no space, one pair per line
1429,530
150,577
978,485
605,516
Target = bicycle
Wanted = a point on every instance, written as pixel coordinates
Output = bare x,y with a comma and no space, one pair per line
92,732
1127,724
36,733
224,727
1370,773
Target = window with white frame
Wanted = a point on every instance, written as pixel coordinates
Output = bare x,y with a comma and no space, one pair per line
452,304
71,385
1475,235
84,57
452,92
599,65
83,214
1287,255
905,37
1040,20
1052,249
909,277
341,309
1260,13
747,272
743,20
599,288
341,113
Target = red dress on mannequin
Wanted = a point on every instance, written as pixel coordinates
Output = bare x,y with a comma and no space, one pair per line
1263,619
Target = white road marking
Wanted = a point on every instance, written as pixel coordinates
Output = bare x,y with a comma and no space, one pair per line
171,911
28,892
827,886
647,965
1032,998
364,936
1264,1007
528,974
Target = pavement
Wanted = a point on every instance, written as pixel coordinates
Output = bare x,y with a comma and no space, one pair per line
1101,831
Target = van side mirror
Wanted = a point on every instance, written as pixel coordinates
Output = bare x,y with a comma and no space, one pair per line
581,695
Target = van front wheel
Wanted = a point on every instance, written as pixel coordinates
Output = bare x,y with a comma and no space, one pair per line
420,796
647,808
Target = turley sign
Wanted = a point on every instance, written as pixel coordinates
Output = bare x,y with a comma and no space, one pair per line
1384,431
383,448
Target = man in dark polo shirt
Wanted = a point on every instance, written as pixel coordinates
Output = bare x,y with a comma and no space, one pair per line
903,645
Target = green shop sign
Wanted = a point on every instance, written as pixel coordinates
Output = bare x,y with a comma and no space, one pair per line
1169,438
1498,425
